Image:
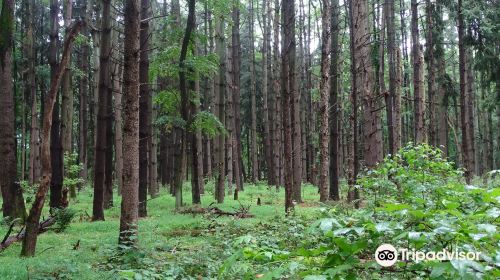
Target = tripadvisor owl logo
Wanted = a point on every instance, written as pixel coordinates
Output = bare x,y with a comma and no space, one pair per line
386,255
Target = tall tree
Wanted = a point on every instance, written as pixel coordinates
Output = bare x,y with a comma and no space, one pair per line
56,151
101,133
394,142
334,103
253,103
324,88
67,93
219,92
288,87
32,221
130,188
144,110
418,83
12,196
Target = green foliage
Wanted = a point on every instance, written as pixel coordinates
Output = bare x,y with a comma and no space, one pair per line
72,171
208,124
63,218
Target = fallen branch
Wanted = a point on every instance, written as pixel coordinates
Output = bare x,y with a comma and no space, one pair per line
8,240
242,212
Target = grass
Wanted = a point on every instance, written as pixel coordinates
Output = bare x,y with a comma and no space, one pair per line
56,259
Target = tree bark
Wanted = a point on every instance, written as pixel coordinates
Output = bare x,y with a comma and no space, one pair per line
220,91
418,83
324,88
392,115
130,188
253,103
32,221
56,152
334,122
144,117
12,196
288,87
67,93
466,145
101,131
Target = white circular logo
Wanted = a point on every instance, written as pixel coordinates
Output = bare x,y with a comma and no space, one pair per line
386,255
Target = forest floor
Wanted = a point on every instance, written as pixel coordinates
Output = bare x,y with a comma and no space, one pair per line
185,244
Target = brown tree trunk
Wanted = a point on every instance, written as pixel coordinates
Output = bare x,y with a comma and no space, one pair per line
470,101
67,93
418,83
466,145
32,221
335,112
271,180
56,152
117,90
12,196
324,88
364,84
276,100
144,118
130,188
84,92
288,88
101,131
431,73
253,103
220,91
392,116
35,128
230,85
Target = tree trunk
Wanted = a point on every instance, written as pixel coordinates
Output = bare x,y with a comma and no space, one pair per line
431,73
466,145
220,91
12,196
56,183
144,118
335,124
276,100
288,88
35,128
101,131
253,103
324,88
32,221
392,95
271,180
117,90
130,191
418,83
84,92
67,93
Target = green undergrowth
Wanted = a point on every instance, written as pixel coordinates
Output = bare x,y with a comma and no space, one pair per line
414,200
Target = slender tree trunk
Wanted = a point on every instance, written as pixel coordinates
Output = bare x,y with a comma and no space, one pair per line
117,89
352,137
220,92
144,118
466,145
288,88
418,83
271,180
237,157
431,73
470,101
229,114
253,103
35,128
12,196
392,116
84,93
324,88
67,93
276,100
32,221
334,104
56,183
101,131
130,191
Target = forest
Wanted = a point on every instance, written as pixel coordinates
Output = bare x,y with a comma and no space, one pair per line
247,139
